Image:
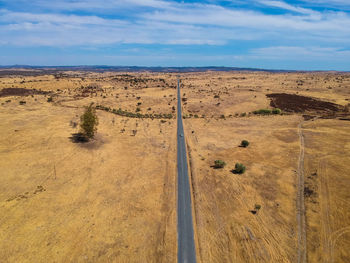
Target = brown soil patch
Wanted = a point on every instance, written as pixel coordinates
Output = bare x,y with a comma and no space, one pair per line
297,103
21,92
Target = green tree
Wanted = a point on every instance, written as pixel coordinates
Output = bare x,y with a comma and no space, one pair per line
89,122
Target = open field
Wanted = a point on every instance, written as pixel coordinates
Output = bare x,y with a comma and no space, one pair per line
110,200
114,199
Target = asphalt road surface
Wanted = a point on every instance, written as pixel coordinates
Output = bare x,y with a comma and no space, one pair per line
185,239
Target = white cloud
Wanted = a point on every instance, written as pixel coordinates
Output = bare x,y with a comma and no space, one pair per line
167,22
300,53
286,6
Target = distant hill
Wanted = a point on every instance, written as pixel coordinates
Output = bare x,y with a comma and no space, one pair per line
40,70
48,69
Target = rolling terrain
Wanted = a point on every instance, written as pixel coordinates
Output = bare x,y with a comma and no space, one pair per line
114,199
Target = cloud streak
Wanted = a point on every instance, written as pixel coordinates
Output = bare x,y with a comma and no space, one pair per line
172,23
89,24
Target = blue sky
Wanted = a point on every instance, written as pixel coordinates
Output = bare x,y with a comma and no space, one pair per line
301,35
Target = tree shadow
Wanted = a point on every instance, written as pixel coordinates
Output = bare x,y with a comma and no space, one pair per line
216,167
234,171
78,138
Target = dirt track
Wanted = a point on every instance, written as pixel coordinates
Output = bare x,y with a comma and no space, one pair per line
300,200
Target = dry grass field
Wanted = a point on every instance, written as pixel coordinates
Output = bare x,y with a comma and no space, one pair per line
229,227
113,199
109,200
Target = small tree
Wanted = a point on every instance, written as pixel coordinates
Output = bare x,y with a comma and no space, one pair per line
244,143
239,168
89,122
219,164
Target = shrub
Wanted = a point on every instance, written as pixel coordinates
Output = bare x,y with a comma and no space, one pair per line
243,114
49,99
276,111
262,111
244,143
89,122
219,164
239,168
22,102
138,109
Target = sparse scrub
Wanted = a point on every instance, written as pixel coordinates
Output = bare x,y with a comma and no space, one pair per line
219,164
257,207
124,113
262,112
276,111
267,111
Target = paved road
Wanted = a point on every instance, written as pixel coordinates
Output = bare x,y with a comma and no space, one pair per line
186,249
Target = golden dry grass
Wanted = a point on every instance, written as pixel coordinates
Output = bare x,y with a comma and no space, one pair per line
110,200
114,199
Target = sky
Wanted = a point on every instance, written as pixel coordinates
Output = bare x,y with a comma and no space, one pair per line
269,34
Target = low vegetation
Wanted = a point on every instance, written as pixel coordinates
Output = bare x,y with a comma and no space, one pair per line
129,114
219,164
244,143
239,168
267,111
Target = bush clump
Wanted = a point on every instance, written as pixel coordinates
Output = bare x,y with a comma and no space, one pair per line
219,164
262,112
257,207
50,99
244,143
276,111
239,168
89,122
267,111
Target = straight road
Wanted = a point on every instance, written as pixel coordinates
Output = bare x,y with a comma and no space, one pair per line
185,239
